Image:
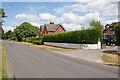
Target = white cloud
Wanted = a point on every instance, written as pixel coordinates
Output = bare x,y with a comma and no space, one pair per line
70,21
110,21
47,17
106,12
107,8
8,28
35,24
71,27
26,16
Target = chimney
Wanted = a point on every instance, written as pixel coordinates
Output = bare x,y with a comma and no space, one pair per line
51,22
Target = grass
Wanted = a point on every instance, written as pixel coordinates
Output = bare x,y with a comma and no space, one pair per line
111,58
3,59
49,47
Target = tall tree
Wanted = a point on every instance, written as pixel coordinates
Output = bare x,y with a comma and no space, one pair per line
8,35
25,30
96,25
2,15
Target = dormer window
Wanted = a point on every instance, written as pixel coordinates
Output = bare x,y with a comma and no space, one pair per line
107,28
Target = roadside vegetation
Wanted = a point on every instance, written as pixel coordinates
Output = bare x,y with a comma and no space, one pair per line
3,59
44,47
112,59
88,36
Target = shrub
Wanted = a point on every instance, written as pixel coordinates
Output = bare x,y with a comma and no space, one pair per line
29,39
117,34
14,38
24,39
89,36
35,40
39,42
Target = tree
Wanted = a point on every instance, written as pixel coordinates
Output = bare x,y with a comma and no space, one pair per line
96,25
8,35
2,15
25,30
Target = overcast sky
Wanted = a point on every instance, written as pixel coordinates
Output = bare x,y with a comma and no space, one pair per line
72,15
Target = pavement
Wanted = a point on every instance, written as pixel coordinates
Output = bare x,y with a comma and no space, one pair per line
28,62
89,55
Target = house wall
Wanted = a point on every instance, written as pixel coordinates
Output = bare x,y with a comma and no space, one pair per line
40,32
59,30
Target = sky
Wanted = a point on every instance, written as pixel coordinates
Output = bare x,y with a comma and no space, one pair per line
72,15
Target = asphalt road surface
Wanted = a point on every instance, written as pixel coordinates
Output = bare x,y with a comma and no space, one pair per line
28,62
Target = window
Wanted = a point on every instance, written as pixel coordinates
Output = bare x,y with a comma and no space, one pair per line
45,32
107,28
41,32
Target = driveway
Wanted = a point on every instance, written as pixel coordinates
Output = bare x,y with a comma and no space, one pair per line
28,62
89,55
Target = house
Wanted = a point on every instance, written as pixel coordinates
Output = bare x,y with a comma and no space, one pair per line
109,34
51,28
109,29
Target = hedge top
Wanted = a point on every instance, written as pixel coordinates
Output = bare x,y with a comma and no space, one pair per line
88,36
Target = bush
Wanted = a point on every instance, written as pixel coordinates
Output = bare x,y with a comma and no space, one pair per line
14,38
117,34
89,36
29,39
24,39
35,40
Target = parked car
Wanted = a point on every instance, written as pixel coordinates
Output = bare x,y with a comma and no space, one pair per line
108,40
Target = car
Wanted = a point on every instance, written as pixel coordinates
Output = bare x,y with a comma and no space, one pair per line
108,40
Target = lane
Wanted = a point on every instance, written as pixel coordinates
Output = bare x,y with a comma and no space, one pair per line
28,62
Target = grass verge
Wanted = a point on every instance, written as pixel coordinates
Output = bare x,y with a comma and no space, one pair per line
112,59
3,59
49,47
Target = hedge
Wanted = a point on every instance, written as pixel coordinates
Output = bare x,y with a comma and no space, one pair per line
88,36
117,34
35,40
29,39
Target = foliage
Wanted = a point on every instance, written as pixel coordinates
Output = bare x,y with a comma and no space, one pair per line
117,34
3,71
1,32
24,39
30,39
35,40
79,36
25,30
2,15
8,35
96,25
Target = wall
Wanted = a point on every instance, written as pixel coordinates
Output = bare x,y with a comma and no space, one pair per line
118,50
73,45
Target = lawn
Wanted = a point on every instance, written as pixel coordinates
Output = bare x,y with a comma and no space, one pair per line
111,58
3,59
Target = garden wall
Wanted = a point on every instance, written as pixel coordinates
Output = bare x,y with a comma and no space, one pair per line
74,45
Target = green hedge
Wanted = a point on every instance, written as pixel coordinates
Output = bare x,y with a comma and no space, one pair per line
117,34
29,39
35,40
89,36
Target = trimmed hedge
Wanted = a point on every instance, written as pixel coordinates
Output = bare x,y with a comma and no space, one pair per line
89,36
117,34
35,40
30,39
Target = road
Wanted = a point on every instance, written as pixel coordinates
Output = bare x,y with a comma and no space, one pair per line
28,62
